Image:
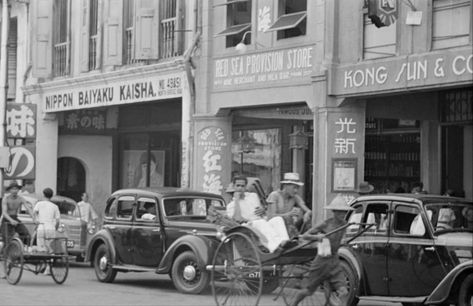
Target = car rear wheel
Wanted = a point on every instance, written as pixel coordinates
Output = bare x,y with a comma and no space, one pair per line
187,276
103,265
465,295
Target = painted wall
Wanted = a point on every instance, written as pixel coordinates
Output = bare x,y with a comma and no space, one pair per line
95,153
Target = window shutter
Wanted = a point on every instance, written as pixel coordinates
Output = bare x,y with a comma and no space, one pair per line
98,53
113,32
84,35
42,28
12,52
146,29
180,27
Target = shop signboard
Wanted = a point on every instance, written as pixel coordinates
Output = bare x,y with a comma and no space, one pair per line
84,121
21,120
416,71
263,69
212,148
22,163
143,89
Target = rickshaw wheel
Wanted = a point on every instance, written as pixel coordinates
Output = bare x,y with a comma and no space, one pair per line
14,261
59,269
237,274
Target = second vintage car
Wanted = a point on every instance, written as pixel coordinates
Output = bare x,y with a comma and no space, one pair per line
163,230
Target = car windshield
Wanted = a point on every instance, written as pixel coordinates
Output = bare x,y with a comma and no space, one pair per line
65,208
179,207
446,217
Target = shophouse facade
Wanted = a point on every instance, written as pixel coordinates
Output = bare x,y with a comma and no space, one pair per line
314,87
109,79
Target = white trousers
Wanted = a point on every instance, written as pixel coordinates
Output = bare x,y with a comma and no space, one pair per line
45,231
274,230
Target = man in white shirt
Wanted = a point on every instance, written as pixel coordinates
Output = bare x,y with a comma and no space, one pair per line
243,209
86,211
48,216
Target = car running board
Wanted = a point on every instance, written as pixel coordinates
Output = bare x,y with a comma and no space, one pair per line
132,268
393,299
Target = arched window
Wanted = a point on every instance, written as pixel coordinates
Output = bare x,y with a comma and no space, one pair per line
70,178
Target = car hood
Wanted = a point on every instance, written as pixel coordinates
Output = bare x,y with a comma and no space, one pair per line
461,239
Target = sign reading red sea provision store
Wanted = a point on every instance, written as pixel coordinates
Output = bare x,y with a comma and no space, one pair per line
260,69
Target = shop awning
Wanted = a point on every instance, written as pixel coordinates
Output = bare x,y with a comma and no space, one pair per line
235,29
287,21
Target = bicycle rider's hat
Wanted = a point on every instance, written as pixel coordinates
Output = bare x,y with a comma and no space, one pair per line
339,203
13,184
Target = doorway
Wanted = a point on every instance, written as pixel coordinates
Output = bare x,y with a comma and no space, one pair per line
70,178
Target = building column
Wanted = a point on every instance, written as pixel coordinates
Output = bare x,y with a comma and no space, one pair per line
212,164
339,146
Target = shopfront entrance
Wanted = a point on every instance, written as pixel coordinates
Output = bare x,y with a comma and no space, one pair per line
70,178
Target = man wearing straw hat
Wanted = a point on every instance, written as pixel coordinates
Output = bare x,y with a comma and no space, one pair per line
11,205
326,265
288,204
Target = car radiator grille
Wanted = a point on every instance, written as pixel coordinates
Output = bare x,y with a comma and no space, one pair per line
76,235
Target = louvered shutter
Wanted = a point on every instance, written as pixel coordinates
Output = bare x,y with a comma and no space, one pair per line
146,29
98,53
113,32
42,11
12,52
84,35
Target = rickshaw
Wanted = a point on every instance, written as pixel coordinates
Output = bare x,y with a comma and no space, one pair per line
17,257
242,271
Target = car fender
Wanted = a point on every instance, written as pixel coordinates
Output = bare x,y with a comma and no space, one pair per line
442,291
101,237
345,254
201,246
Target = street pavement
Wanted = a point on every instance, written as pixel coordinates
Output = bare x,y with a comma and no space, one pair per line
82,288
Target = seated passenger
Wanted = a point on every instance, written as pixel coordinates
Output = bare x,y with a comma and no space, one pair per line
243,209
286,203
150,212
446,219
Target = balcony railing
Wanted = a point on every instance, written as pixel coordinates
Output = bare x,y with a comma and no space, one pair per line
61,59
169,43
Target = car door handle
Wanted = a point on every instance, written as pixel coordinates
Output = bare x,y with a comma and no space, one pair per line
355,246
157,230
431,249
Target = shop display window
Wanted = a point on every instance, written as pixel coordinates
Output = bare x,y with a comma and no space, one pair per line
392,154
257,153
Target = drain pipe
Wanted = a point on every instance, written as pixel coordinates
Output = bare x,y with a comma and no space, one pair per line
188,110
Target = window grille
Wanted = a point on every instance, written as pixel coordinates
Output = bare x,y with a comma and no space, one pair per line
61,50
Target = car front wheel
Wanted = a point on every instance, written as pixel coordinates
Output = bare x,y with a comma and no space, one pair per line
103,265
465,295
351,283
187,276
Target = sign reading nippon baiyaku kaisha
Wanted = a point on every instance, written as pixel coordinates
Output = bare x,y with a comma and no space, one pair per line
115,93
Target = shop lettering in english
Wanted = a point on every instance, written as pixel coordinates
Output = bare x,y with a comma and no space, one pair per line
116,93
259,68
411,71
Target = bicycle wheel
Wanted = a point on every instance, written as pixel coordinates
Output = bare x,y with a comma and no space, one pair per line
237,274
59,268
14,261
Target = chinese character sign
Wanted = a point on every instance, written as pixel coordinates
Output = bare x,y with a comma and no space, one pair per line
345,136
21,120
212,141
88,120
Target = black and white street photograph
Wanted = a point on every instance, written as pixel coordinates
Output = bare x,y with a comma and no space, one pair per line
236,152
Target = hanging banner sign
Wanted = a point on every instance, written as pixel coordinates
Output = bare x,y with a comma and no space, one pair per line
21,120
22,163
137,90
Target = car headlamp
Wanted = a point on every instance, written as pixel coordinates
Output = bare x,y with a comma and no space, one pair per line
61,228
91,229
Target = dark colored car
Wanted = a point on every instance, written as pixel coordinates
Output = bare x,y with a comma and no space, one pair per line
417,249
77,231
179,242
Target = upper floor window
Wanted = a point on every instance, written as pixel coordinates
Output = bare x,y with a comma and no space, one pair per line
12,53
292,19
238,22
378,42
170,38
93,34
61,39
451,23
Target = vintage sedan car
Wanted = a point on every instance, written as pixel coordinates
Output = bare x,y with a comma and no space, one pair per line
78,232
179,241
417,249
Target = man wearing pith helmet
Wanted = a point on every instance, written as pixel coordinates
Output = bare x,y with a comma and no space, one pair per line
326,265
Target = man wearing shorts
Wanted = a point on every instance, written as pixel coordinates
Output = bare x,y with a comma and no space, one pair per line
326,265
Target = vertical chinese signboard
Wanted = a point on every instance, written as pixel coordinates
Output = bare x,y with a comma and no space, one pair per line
21,124
347,145
212,145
